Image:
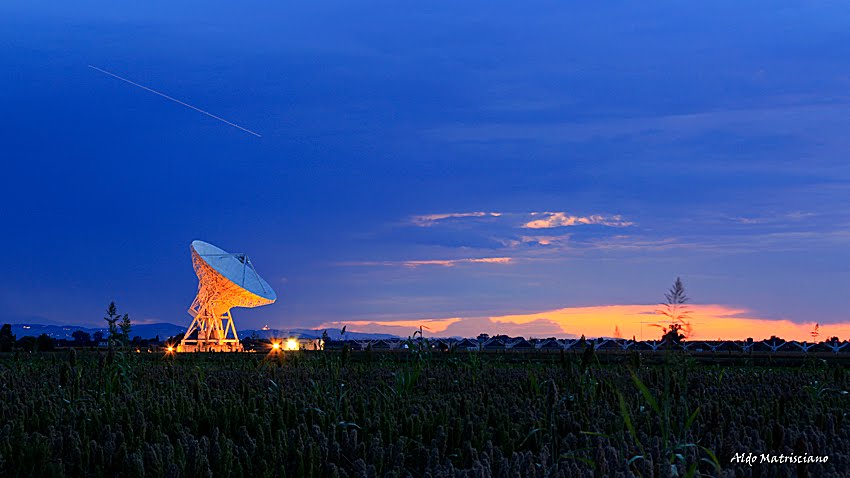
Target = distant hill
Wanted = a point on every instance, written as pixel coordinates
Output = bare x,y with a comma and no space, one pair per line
165,330
145,331
333,334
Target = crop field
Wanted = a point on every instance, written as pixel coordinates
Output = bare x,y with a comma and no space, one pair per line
317,414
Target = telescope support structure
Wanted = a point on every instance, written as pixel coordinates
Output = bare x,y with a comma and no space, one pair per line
212,328
212,332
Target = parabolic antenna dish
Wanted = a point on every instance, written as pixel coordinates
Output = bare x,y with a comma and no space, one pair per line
236,268
225,281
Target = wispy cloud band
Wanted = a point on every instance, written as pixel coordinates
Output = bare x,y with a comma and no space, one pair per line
541,220
550,220
430,219
434,262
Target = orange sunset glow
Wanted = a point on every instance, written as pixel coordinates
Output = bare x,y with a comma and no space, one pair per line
709,322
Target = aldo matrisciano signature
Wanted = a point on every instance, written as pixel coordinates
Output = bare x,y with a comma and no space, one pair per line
750,458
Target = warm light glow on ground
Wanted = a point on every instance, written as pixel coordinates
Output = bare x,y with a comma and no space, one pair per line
291,344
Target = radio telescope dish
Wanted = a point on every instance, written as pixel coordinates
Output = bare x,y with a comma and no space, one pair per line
225,281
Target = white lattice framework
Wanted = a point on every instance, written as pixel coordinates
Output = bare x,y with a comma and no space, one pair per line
212,328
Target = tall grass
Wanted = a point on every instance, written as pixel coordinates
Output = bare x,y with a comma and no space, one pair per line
315,414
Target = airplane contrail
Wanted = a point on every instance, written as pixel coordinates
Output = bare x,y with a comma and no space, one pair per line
174,100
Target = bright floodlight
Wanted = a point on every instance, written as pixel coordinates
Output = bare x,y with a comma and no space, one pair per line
224,281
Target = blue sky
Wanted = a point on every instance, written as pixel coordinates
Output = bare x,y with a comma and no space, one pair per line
706,141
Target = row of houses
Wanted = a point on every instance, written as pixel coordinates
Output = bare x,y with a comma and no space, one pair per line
503,343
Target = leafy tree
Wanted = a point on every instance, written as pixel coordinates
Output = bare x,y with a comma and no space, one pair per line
111,319
27,344
676,311
673,335
97,337
119,332
176,339
82,337
126,326
45,343
7,340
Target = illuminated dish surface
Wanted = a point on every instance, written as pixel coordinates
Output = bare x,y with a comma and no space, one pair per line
236,268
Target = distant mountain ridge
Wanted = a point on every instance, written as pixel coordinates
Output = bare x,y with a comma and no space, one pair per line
165,330
145,331
333,334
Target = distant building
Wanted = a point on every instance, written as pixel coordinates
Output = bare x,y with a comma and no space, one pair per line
521,344
550,344
468,344
493,344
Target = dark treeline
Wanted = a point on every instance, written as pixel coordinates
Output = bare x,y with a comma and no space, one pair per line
80,339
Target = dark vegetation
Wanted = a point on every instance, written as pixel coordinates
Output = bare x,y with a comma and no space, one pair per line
323,413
